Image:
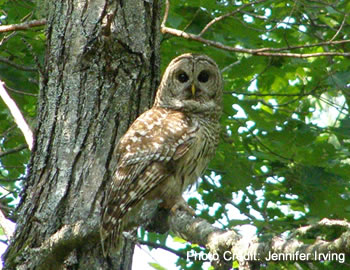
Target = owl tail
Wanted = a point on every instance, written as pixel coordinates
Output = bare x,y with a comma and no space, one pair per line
111,240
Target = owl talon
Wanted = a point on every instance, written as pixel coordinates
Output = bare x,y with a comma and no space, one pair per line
182,205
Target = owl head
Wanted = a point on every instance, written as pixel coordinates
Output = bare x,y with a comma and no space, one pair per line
191,83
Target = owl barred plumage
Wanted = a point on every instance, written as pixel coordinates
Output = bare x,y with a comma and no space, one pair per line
167,148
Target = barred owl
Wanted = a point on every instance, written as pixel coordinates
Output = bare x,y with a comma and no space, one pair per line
167,148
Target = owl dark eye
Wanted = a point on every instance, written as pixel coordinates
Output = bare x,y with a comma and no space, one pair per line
182,77
203,76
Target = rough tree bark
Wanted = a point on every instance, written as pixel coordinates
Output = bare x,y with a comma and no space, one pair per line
101,71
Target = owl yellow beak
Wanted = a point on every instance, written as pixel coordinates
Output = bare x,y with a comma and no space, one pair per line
193,90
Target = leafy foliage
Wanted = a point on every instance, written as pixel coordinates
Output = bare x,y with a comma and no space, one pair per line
283,160
284,157
18,71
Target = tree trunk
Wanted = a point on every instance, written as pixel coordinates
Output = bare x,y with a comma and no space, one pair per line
101,71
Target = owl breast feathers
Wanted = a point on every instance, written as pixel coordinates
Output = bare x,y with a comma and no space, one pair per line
167,148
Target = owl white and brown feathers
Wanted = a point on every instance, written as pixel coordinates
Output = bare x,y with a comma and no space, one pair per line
167,148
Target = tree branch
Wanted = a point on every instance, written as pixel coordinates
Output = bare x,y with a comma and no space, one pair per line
270,94
13,150
340,28
259,52
245,250
166,14
215,20
219,242
20,92
58,246
20,67
156,245
22,26
17,115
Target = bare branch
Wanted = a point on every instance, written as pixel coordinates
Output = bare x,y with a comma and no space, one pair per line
156,245
17,115
258,52
258,140
13,150
166,13
196,230
13,64
22,26
215,20
340,28
323,223
230,66
7,131
19,92
268,94
11,180
7,38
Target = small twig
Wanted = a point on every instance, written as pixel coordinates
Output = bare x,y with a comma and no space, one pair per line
17,115
7,37
269,94
242,211
278,105
230,66
22,26
6,194
340,112
11,180
7,225
156,245
166,13
193,17
20,92
340,28
13,150
20,67
330,43
35,57
271,20
255,76
340,109
21,167
7,131
262,144
215,20
9,192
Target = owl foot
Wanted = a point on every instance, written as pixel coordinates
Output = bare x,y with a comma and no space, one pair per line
182,205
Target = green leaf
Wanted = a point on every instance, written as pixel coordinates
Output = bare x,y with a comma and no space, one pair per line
179,240
235,264
156,266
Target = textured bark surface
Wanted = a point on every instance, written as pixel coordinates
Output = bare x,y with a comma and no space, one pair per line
251,252
101,71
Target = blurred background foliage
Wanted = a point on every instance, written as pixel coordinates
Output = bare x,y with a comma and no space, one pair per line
20,51
284,156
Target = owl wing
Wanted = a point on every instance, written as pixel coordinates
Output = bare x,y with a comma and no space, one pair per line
156,138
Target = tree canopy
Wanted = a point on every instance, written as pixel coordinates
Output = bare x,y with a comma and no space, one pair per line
284,157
